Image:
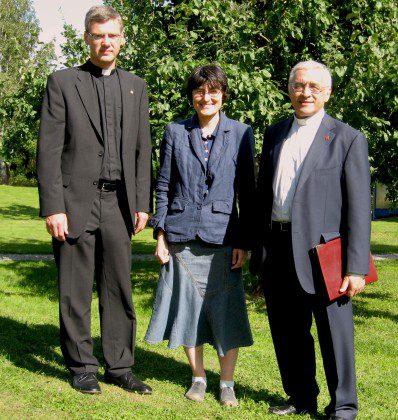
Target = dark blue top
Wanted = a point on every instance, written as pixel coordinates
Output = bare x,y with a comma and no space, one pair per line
207,146
183,208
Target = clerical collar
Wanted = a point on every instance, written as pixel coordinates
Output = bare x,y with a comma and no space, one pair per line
98,71
310,121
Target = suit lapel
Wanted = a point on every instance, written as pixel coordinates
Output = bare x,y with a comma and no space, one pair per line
195,139
320,146
127,92
84,86
278,142
220,142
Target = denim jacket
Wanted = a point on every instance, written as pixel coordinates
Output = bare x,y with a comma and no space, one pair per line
184,209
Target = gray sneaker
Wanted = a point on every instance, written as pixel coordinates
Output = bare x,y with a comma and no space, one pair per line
227,397
196,392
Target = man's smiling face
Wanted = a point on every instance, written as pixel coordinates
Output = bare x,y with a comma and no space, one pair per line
309,91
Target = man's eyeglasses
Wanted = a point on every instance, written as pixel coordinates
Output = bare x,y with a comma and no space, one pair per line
300,87
100,37
213,93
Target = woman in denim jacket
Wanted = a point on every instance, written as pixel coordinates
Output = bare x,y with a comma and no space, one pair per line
207,165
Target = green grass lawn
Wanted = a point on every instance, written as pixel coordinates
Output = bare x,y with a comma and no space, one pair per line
24,232
385,236
35,383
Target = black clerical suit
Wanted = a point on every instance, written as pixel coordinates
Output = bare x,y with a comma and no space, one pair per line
94,164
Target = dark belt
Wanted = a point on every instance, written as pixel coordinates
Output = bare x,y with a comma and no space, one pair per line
105,185
281,226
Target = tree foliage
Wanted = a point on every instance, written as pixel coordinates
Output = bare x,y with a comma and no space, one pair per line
257,42
24,65
20,114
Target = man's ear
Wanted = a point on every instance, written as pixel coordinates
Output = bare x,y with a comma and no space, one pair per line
86,37
328,94
123,39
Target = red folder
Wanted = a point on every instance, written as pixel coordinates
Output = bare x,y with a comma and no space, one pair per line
330,261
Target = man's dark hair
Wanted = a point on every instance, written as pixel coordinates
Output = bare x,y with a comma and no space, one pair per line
212,76
102,14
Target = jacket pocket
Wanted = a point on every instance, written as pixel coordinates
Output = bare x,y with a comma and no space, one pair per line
221,207
327,171
177,205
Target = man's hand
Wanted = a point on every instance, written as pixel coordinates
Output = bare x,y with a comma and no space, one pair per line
238,258
57,226
140,221
353,284
162,248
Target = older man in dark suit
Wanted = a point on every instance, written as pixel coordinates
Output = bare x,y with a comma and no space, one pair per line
94,170
314,185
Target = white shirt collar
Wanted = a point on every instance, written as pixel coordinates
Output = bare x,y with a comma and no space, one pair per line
310,121
106,72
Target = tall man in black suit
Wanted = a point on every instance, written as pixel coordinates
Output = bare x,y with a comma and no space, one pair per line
313,186
94,170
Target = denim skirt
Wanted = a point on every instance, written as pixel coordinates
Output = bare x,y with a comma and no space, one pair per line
200,300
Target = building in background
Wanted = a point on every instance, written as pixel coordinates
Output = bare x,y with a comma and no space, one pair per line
381,206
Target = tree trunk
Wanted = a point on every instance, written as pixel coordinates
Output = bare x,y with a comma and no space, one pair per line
4,173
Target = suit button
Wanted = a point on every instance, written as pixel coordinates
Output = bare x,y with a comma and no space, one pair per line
100,154
95,183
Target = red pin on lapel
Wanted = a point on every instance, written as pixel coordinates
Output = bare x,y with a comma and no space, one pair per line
327,138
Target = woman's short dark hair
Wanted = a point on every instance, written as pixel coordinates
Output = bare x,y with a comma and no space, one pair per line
212,76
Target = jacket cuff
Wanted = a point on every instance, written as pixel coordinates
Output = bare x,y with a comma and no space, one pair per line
157,222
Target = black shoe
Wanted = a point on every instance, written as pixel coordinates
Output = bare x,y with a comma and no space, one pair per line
285,410
87,383
129,382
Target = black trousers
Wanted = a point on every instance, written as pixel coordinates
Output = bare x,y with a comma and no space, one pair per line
290,313
103,250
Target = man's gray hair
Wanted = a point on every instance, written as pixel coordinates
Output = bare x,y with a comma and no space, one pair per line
102,14
312,65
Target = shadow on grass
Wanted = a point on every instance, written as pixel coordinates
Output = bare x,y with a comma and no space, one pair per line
142,247
32,347
151,365
361,310
144,279
38,278
32,246
25,246
392,219
383,249
20,212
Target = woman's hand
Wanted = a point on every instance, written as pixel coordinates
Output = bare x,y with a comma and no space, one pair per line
162,248
238,258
